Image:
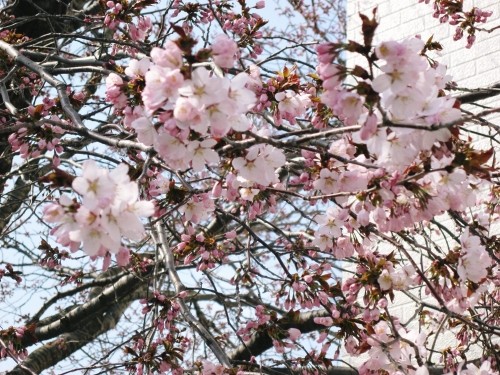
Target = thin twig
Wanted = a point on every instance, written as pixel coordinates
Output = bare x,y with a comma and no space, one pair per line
179,287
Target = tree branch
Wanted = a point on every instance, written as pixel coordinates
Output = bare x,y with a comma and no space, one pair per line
261,342
179,287
66,344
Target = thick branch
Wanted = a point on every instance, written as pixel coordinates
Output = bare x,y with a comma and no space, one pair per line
57,84
260,342
40,17
54,352
15,199
113,294
480,94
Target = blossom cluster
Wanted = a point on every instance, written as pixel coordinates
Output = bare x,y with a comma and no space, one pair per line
182,117
388,349
10,339
109,210
474,259
453,13
118,12
32,142
410,92
411,102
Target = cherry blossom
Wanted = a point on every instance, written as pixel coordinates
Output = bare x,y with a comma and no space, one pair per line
94,185
110,208
474,260
224,51
202,153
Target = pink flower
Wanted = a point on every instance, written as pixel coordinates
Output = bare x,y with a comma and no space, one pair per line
325,52
474,259
94,185
141,31
292,105
138,67
260,164
323,241
123,256
114,92
186,110
161,85
197,208
204,88
53,213
395,78
369,127
324,321
145,130
94,240
242,99
172,149
330,74
170,56
110,209
260,4
211,369
224,51
327,181
472,369
201,153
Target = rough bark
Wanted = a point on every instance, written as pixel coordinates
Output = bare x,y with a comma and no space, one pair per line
83,324
261,341
35,18
68,343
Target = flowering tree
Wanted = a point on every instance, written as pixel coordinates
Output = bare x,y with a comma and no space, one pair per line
186,188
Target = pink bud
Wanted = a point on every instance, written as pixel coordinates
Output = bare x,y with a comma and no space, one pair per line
260,4
459,33
106,262
382,303
470,41
217,190
327,322
294,334
231,235
308,279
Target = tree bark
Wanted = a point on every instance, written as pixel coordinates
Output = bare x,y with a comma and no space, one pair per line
68,343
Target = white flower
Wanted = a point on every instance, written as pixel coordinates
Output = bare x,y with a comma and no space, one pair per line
95,186
385,280
201,153
145,130
260,164
204,88
474,260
